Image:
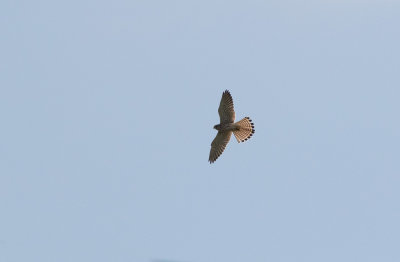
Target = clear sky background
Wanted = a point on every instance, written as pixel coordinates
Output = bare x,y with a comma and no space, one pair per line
107,109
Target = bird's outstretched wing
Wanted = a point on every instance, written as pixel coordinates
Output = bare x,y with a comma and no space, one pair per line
218,145
226,111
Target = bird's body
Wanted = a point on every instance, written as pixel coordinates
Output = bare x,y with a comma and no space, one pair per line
242,129
227,127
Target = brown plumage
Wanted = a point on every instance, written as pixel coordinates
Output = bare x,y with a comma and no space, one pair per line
242,129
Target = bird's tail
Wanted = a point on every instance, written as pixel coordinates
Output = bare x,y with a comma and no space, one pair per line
245,129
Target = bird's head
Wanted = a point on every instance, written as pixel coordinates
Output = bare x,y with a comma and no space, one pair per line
217,127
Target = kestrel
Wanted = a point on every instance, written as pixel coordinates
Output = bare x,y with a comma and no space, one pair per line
242,129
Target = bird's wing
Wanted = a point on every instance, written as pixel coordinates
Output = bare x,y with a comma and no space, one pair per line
226,111
218,145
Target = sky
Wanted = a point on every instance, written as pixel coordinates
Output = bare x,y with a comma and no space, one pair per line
107,109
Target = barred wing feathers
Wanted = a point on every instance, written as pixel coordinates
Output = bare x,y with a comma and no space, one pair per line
226,111
218,145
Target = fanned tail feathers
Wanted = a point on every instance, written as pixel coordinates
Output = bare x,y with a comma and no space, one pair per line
246,129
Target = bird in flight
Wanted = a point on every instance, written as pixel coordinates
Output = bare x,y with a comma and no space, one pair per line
242,129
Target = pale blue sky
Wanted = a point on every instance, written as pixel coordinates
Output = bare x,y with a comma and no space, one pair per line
107,109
